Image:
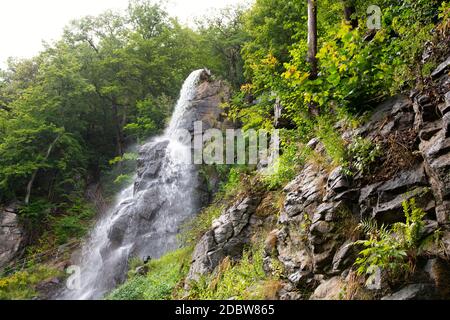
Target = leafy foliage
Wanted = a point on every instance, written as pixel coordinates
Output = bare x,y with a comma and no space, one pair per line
110,81
393,249
160,282
22,285
287,165
241,281
363,154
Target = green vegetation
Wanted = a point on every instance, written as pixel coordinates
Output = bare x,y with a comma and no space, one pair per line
160,282
358,67
70,116
362,154
291,159
243,280
22,285
108,83
393,249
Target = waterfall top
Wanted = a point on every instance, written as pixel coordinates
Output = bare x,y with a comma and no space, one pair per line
187,94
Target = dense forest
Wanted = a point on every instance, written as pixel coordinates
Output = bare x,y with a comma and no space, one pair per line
110,82
73,116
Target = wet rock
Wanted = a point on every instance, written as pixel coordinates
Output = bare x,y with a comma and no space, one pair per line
413,292
151,157
118,230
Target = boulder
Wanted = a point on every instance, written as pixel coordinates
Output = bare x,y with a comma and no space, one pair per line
418,291
329,290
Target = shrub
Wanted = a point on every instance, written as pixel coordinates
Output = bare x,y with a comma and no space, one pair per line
22,285
243,280
293,155
362,154
74,223
394,249
332,141
35,217
159,284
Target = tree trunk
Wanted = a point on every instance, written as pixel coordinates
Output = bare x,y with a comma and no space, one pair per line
312,49
312,37
349,13
33,176
119,132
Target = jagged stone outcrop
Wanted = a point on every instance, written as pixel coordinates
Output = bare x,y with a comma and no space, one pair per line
317,225
206,105
229,233
421,170
12,236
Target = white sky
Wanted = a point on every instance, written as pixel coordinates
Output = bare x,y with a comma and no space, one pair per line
24,24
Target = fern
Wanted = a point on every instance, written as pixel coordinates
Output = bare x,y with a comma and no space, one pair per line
392,249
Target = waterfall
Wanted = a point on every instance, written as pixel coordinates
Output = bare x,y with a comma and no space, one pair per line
147,215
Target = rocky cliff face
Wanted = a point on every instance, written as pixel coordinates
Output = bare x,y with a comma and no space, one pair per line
316,227
11,235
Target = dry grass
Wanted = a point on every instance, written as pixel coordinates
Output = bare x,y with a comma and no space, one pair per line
400,153
271,288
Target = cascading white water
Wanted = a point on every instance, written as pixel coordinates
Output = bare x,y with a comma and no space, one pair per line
146,218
